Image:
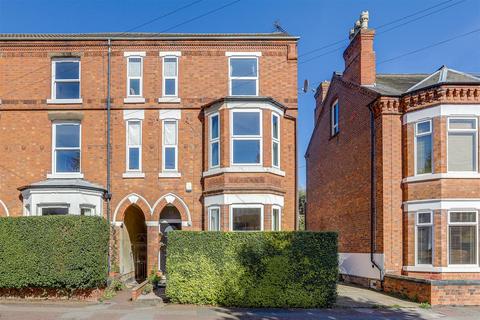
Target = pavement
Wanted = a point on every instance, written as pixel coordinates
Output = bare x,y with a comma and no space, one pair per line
352,303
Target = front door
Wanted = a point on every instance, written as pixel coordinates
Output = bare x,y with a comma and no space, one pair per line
165,228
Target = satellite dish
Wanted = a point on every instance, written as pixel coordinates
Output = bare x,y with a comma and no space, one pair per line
305,86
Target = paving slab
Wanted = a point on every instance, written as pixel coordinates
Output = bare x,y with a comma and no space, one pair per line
350,296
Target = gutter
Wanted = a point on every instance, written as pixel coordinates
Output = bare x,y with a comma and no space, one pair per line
373,198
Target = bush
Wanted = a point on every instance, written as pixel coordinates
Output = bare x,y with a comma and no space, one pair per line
68,252
252,269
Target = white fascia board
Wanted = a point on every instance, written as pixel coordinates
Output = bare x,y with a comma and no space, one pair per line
243,53
239,198
463,110
440,204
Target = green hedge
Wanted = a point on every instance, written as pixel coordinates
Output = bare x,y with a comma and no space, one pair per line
253,269
68,252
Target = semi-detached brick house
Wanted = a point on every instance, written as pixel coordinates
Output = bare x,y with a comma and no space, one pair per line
202,127
392,165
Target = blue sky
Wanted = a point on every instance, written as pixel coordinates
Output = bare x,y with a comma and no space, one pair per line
318,23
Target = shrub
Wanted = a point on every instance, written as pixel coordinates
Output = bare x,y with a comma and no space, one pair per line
147,288
68,252
252,269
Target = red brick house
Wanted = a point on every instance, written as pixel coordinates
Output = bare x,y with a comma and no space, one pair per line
202,129
392,165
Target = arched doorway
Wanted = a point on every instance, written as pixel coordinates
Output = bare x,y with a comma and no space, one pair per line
134,244
170,220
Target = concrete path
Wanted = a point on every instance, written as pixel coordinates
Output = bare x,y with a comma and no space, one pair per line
350,296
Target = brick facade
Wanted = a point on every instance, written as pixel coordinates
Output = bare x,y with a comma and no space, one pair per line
380,240
26,124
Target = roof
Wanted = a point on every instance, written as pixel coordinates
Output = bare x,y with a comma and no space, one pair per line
145,36
398,84
246,99
64,183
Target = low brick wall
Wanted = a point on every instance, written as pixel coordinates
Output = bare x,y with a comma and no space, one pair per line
51,294
138,289
435,292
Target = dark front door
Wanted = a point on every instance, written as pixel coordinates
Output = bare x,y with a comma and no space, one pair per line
165,228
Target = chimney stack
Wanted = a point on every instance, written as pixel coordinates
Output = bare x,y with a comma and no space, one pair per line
359,56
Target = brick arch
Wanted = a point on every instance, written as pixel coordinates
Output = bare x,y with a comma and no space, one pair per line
127,201
177,202
3,209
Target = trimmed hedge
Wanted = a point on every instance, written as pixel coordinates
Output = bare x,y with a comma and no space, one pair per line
67,252
253,269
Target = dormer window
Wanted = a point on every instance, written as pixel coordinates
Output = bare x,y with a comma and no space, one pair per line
334,118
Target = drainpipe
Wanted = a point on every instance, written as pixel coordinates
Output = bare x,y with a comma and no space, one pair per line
108,195
373,198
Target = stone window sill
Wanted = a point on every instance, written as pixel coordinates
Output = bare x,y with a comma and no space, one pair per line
64,101
169,100
133,175
169,175
134,100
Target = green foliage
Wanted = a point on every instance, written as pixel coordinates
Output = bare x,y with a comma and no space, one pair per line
425,305
253,269
68,252
153,278
117,285
147,288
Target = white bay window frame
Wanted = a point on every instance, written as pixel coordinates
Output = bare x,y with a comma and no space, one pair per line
214,210
234,137
276,141
275,207
477,242
213,140
418,135
418,225
241,206
475,144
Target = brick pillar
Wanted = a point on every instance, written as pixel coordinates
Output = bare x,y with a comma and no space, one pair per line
152,248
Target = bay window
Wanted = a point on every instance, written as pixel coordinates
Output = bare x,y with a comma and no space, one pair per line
170,147
462,237
214,218
134,145
66,78
462,145
275,140
276,218
424,237
246,217
423,147
243,76
53,209
246,137
66,147
214,141
134,76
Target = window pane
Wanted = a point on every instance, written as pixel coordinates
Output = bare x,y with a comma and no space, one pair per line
424,154
67,136
462,246
86,211
243,67
170,132
67,90
133,158
134,133
214,220
461,151
215,154
462,123
424,217
275,127
54,211
134,87
170,158
246,151
424,245
246,123
275,219
170,67
68,161
275,153
66,70
423,127
246,219
463,217
214,129
135,67
244,87
170,87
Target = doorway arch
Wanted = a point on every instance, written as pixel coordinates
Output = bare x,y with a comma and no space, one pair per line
170,219
134,244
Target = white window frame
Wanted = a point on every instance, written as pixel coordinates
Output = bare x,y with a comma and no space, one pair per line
275,207
213,140
170,146
210,209
429,224
165,78
253,205
40,207
130,77
54,80
335,128
88,207
230,78
276,140
415,144
463,224
475,151
128,146
246,137
54,147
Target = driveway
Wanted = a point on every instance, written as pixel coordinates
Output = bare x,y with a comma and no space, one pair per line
353,303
